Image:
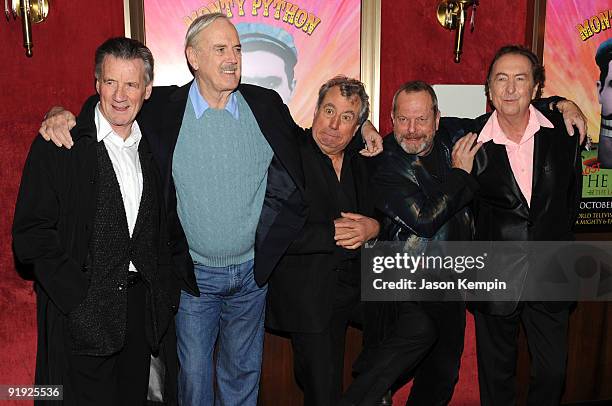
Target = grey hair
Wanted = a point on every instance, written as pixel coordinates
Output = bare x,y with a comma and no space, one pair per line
416,86
348,87
198,25
125,48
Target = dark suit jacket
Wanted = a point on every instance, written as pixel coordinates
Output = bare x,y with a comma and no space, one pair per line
501,211
283,211
302,289
416,206
52,230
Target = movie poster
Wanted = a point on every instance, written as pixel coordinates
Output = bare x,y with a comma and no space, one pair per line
577,57
291,47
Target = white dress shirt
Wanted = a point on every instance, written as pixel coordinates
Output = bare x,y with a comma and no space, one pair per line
126,163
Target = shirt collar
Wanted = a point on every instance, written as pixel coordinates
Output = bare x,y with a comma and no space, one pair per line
200,105
104,130
493,132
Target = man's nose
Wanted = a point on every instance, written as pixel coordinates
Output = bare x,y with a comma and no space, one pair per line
511,87
412,126
119,94
234,56
334,122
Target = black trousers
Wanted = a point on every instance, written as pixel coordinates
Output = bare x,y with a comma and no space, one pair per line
496,346
436,375
318,358
424,340
122,378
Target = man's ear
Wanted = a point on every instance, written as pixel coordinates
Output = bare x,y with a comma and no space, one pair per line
438,120
98,86
148,90
192,58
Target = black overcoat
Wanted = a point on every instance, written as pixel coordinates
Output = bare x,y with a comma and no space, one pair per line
51,233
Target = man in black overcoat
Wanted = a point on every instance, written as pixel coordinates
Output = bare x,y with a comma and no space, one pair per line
91,222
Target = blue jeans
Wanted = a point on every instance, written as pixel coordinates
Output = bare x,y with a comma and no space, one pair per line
230,309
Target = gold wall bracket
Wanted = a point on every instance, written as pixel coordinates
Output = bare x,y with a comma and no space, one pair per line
452,15
30,12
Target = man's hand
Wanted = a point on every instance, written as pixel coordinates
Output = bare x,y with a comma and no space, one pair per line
572,115
57,125
464,151
353,229
373,140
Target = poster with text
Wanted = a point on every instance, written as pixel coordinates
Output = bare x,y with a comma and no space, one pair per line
291,47
577,58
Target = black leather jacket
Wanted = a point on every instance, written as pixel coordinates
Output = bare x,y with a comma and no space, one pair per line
417,206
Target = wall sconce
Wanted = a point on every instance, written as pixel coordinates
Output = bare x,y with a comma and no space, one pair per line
31,12
452,15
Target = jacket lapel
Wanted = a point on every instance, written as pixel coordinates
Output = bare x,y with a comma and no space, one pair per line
284,146
144,208
499,160
172,119
540,151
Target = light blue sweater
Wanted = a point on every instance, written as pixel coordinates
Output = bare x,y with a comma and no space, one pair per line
220,168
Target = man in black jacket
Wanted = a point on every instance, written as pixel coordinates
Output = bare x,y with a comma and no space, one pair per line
422,194
529,173
315,289
91,222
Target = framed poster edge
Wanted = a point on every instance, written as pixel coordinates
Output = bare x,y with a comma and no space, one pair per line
133,18
370,54
536,26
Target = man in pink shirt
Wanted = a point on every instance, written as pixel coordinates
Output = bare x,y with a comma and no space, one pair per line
529,173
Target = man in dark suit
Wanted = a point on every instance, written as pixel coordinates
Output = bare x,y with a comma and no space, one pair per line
91,222
315,288
422,194
529,174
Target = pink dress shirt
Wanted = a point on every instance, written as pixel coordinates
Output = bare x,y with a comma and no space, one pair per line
520,154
